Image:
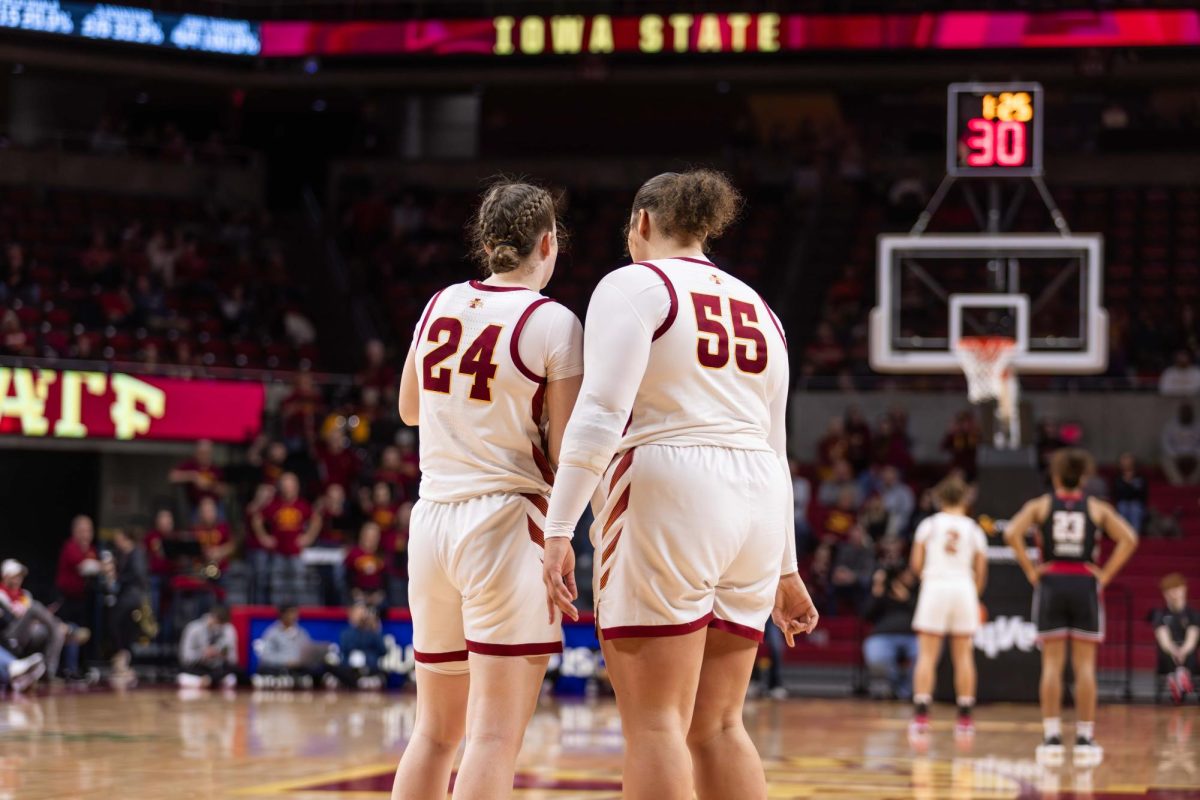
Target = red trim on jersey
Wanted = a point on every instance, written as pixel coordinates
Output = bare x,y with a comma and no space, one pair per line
538,501
647,631
674,309
1067,568
744,631
487,287
536,535
439,658
1070,496
428,314
538,405
703,261
622,468
775,320
523,649
514,343
618,509
543,464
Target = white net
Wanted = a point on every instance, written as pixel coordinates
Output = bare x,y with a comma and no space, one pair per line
987,363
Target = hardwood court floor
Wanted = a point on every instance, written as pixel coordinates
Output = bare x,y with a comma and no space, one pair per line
160,744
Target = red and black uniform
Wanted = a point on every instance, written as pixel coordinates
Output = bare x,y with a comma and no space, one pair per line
1066,601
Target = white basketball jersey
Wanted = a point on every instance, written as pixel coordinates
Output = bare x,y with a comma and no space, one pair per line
484,354
718,359
951,542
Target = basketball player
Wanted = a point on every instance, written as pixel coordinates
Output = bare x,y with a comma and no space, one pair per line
491,378
950,554
1067,586
680,424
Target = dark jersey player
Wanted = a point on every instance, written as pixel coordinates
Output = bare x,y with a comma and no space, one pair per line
1067,588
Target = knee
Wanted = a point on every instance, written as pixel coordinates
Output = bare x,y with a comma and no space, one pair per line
493,739
705,730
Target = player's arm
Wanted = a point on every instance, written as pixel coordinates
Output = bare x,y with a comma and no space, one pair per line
1190,640
1031,514
616,348
561,349
1121,532
1162,635
410,391
981,571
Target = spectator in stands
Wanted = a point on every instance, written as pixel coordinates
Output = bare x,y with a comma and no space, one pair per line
125,579
377,372
824,356
1181,379
395,550
393,471
897,498
286,649
1181,448
215,540
20,673
831,448
1177,632
13,339
892,553
162,251
801,498
208,651
284,528
858,440
339,519
891,447
30,626
159,562
257,558
891,648
837,521
853,565
961,443
840,481
366,569
98,259
818,578
874,518
301,413
1131,492
270,457
362,647
336,462
200,476
380,506
78,565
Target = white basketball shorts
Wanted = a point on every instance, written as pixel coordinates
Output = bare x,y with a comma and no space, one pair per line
688,537
947,607
475,581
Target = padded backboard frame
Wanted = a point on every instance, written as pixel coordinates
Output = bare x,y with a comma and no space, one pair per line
887,353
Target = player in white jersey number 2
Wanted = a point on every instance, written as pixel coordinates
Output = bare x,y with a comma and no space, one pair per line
949,554
679,433
490,379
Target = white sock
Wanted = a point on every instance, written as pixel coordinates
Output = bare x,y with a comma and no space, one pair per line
966,702
922,699
1085,729
1052,726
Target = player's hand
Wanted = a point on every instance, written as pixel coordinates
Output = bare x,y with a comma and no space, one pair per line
1034,576
558,573
794,611
1099,575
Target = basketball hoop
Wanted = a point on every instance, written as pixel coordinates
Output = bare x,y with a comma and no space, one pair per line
987,363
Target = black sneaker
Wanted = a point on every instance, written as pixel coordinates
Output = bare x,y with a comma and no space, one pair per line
1050,751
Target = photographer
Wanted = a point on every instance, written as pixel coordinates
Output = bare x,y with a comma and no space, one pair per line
891,649
208,651
124,581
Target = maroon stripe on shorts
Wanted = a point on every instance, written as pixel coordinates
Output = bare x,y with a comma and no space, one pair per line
648,631
524,649
440,658
744,631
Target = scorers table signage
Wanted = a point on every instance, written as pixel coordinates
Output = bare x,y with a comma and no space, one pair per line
53,404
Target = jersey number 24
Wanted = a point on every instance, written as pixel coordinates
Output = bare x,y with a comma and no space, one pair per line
478,361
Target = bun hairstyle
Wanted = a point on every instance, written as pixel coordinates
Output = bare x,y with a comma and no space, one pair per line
1071,465
695,205
512,217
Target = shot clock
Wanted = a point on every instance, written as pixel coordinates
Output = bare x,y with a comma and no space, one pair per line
994,130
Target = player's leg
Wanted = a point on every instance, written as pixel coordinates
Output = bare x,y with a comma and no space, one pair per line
424,770
724,760
656,680
929,651
504,693
1050,693
1083,664
962,653
439,647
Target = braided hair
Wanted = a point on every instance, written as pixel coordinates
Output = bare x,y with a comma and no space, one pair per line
511,219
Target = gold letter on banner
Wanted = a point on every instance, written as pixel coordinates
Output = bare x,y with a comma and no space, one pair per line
28,402
601,39
650,30
129,420
566,34
70,418
504,41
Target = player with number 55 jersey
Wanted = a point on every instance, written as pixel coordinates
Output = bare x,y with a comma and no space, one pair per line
490,379
679,433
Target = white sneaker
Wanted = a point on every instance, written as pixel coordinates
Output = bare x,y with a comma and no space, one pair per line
1087,753
1050,751
25,672
778,693
187,680
229,681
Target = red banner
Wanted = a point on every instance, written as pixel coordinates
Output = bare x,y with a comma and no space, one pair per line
576,34
52,404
